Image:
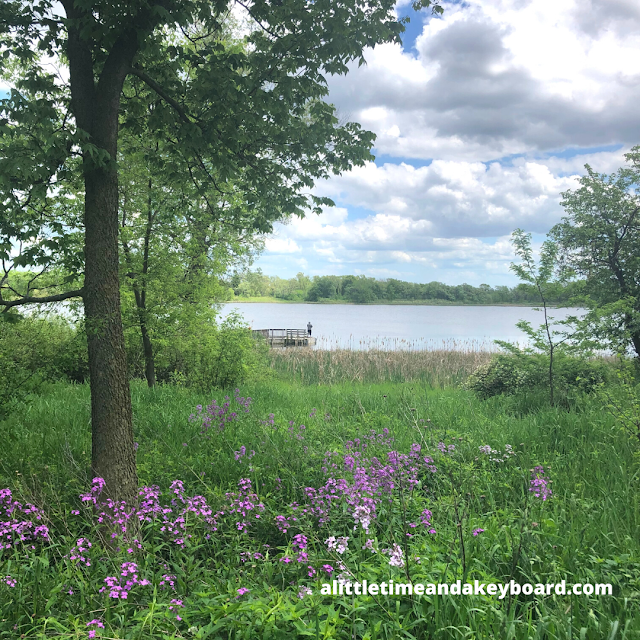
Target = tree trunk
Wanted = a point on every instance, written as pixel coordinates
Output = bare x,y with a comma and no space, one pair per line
141,306
149,360
635,339
113,454
147,346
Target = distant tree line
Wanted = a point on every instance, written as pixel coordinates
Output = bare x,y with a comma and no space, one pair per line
360,289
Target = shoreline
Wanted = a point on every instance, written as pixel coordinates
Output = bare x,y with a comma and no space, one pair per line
388,303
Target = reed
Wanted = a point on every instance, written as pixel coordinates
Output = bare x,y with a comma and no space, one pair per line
438,364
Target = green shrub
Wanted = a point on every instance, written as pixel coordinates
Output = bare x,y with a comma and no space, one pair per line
35,350
503,375
215,356
511,374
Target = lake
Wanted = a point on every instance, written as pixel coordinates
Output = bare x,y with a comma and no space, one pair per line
396,326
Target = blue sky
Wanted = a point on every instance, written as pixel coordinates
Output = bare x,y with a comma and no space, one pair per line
483,116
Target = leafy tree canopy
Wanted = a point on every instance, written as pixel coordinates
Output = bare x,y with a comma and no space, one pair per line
599,241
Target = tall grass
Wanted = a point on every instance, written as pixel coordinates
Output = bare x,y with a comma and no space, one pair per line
586,532
438,366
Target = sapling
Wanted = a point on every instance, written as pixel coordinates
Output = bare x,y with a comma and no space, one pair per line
552,336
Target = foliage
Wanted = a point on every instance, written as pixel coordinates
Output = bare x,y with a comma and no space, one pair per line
254,284
212,356
238,108
504,374
360,289
598,240
553,337
48,348
177,238
248,116
35,350
623,400
507,498
509,374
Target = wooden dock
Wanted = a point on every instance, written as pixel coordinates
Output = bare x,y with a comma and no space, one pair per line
286,337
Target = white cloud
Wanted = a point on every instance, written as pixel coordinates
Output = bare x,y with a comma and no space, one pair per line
448,199
497,98
495,78
280,245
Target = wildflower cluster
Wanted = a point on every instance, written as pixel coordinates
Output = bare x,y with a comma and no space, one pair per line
120,586
300,542
372,438
539,485
339,545
446,449
244,503
371,480
176,604
172,519
271,420
293,434
246,556
19,523
242,452
425,520
98,624
396,556
168,579
218,416
76,555
495,455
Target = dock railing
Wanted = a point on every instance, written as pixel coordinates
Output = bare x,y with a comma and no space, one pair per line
282,333
286,337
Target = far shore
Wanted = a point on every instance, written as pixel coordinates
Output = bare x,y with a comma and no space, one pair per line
431,303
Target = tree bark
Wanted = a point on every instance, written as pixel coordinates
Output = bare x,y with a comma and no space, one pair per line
113,454
149,360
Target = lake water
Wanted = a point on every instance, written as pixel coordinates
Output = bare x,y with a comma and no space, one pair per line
396,326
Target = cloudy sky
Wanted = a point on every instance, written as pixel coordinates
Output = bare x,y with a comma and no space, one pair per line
483,116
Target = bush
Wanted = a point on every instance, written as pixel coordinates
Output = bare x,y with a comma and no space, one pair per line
35,350
582,375
504,375
511,374
216,356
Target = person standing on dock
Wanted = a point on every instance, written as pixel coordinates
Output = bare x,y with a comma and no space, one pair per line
309,327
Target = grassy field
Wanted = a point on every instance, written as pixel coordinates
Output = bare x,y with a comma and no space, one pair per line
394,466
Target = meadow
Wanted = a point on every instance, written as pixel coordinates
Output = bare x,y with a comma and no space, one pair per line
334,467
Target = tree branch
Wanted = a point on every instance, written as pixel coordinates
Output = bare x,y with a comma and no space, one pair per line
59,297
155,86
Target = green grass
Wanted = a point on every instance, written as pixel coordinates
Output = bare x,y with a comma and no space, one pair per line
587,531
